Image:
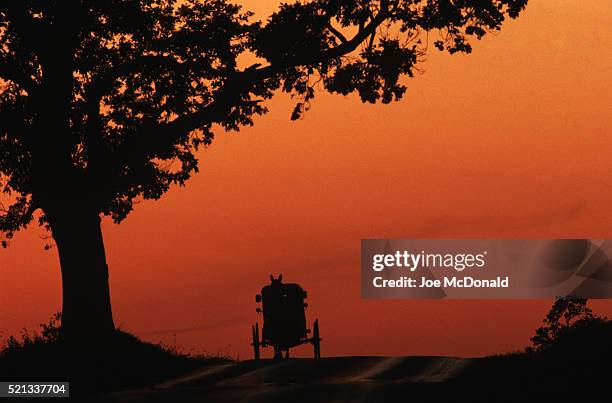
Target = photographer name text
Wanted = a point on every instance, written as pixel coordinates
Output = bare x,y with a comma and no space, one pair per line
454,282
414,262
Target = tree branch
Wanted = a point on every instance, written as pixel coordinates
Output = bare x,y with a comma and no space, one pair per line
336,33
360,36
156,137
159,136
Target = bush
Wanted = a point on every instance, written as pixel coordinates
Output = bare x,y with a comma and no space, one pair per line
566,315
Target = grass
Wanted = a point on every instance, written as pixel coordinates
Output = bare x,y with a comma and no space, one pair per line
123,362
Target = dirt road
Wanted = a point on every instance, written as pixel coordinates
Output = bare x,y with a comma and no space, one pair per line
338,379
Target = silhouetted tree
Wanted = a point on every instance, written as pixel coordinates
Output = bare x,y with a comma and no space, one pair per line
565,313
105,102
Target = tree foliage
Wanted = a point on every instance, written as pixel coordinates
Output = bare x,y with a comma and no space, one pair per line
565,314
106,102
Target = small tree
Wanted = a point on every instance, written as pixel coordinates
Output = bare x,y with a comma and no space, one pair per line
106,102
565,313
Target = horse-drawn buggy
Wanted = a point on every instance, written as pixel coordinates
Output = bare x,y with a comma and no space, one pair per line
284,320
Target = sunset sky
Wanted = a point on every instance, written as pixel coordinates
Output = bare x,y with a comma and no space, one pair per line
512,141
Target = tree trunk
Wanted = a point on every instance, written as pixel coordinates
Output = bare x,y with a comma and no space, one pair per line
86,308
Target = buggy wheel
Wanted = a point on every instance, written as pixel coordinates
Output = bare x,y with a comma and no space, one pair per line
278,353
316,340
256,343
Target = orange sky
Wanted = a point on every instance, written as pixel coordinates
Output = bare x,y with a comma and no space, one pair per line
511,141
